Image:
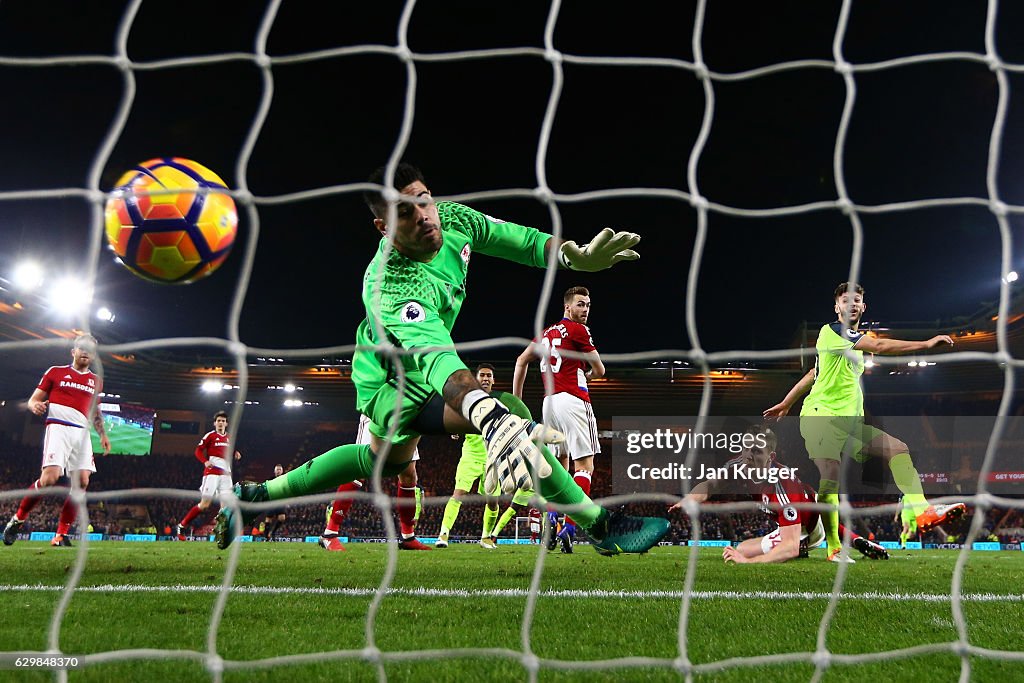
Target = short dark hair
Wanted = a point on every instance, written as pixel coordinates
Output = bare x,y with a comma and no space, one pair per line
770,439
844,287
405,175
485,366
573,291
221,413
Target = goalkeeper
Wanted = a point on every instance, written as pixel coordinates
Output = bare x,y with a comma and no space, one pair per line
412,295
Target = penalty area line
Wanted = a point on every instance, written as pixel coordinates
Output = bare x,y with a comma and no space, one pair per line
876,596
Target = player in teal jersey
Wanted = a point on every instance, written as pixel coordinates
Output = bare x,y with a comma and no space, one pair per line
471,470
832,417
413,290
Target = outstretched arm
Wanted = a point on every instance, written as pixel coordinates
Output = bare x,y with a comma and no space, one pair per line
896,346
698,494
780,410
522,366
787,549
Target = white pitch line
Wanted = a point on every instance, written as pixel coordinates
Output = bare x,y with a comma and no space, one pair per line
522,593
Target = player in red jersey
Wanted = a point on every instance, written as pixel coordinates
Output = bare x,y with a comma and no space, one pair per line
798,529
536,524
214,451
408,506
67,395
567,407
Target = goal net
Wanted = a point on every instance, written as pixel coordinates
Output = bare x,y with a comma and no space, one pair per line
747,147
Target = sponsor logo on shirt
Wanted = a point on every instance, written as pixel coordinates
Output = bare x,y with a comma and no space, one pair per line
412,312
76,385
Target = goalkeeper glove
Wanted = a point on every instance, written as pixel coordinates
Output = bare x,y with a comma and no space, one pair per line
604,251
512,457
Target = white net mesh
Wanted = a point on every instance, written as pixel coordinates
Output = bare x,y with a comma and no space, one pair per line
556,204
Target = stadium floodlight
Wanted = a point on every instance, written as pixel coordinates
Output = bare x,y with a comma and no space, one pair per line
211,386
912,364
28,275
1011,276
292,403
289,388
69,295
105,314
870,362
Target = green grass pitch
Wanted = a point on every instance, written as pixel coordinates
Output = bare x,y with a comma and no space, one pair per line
296,599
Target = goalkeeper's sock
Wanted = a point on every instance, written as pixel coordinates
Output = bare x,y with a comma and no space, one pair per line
828,494
419,505
406,510
490,515
909,482
337,466
505,518
451,513
340,507
559,488
903,539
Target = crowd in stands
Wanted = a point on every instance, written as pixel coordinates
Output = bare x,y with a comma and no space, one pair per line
19,465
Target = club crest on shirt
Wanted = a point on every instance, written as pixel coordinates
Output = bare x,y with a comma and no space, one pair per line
412,312
466,251
852,332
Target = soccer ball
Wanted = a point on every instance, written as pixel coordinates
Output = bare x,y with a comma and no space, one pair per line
170,237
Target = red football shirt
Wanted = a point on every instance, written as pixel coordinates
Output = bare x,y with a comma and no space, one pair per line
71,394
214,451
569,374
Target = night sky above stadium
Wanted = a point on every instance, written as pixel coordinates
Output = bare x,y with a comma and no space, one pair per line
917,132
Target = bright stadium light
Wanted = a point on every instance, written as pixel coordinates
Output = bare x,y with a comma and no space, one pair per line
211,386
69,295
105,314
289,388
1011,276
912,364
28,275
292,403
870,362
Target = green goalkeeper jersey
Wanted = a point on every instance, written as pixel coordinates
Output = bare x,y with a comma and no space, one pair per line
837,372
473,445
417,303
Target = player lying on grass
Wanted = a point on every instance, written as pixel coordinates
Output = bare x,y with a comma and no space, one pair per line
832,416
799,528
412,294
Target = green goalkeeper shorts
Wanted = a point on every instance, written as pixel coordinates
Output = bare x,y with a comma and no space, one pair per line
379,403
